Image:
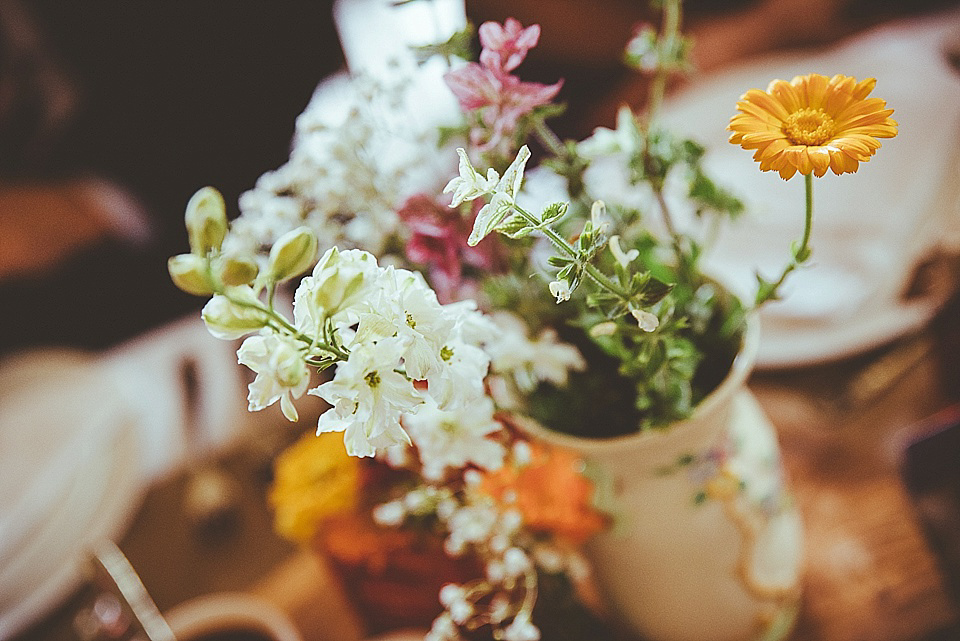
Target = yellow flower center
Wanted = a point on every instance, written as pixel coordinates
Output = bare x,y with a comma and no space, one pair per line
811,127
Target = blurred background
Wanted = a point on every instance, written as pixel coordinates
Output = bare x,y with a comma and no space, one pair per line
113,113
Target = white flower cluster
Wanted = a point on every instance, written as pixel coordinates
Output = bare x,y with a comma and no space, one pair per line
385,331
476,523
346,177
520,363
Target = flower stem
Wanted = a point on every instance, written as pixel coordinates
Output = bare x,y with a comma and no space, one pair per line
669,32
562,244
283,325
801,252
549,138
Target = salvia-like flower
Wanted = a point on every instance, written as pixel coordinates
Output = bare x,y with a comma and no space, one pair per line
488,87
504,198
438,240
812,124
505,46
470,184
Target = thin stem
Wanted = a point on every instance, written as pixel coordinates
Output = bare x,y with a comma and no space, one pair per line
665,212
800,253
282,324
808,219
668,37
561,243
549,138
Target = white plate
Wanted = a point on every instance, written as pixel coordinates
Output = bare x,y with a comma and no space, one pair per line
68,477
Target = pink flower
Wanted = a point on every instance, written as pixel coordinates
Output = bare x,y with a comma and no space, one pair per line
488,86
438,239
505,100
474,86
505,46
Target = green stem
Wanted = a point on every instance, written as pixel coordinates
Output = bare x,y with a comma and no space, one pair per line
561,243
800,254
549,139
669,32
665,212
808,219
284,325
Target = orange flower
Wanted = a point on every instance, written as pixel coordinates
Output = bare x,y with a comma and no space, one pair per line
811,124
551,493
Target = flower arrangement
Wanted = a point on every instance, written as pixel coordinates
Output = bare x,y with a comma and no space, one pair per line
444,305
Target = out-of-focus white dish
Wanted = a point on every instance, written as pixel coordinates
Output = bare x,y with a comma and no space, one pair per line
68,477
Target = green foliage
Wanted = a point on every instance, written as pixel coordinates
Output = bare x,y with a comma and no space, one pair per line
459,45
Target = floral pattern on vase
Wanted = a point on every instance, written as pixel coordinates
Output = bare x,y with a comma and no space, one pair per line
707,541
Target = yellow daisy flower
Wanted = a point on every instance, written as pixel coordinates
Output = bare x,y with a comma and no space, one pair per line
811,124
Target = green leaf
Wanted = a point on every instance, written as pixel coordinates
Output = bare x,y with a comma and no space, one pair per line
559,261
457,45
515,227
553,212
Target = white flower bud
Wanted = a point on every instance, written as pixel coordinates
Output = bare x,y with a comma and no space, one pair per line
623,258
236,270
647,321
206,219
561,290
227,320
338,280
515,562
522,453
189,273
607,328
292,254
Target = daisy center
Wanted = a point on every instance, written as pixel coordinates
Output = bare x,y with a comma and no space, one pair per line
811,127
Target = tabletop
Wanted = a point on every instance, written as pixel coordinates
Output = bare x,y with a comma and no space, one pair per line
871,573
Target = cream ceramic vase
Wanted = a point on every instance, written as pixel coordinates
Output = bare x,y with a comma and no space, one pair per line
707,542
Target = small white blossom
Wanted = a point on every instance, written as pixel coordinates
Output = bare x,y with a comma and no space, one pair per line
548,558
521,629
470,184
560,290
471,524
623,258
458,382
606,328
368,397
531,362
454,599
516,562
281,373
522,453
389,514
599,219
443,629
499,608
407,309
648,322
448,439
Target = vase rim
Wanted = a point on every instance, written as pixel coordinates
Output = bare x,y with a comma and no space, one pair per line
734,380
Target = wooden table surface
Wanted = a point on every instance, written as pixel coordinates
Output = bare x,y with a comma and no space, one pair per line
870,572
